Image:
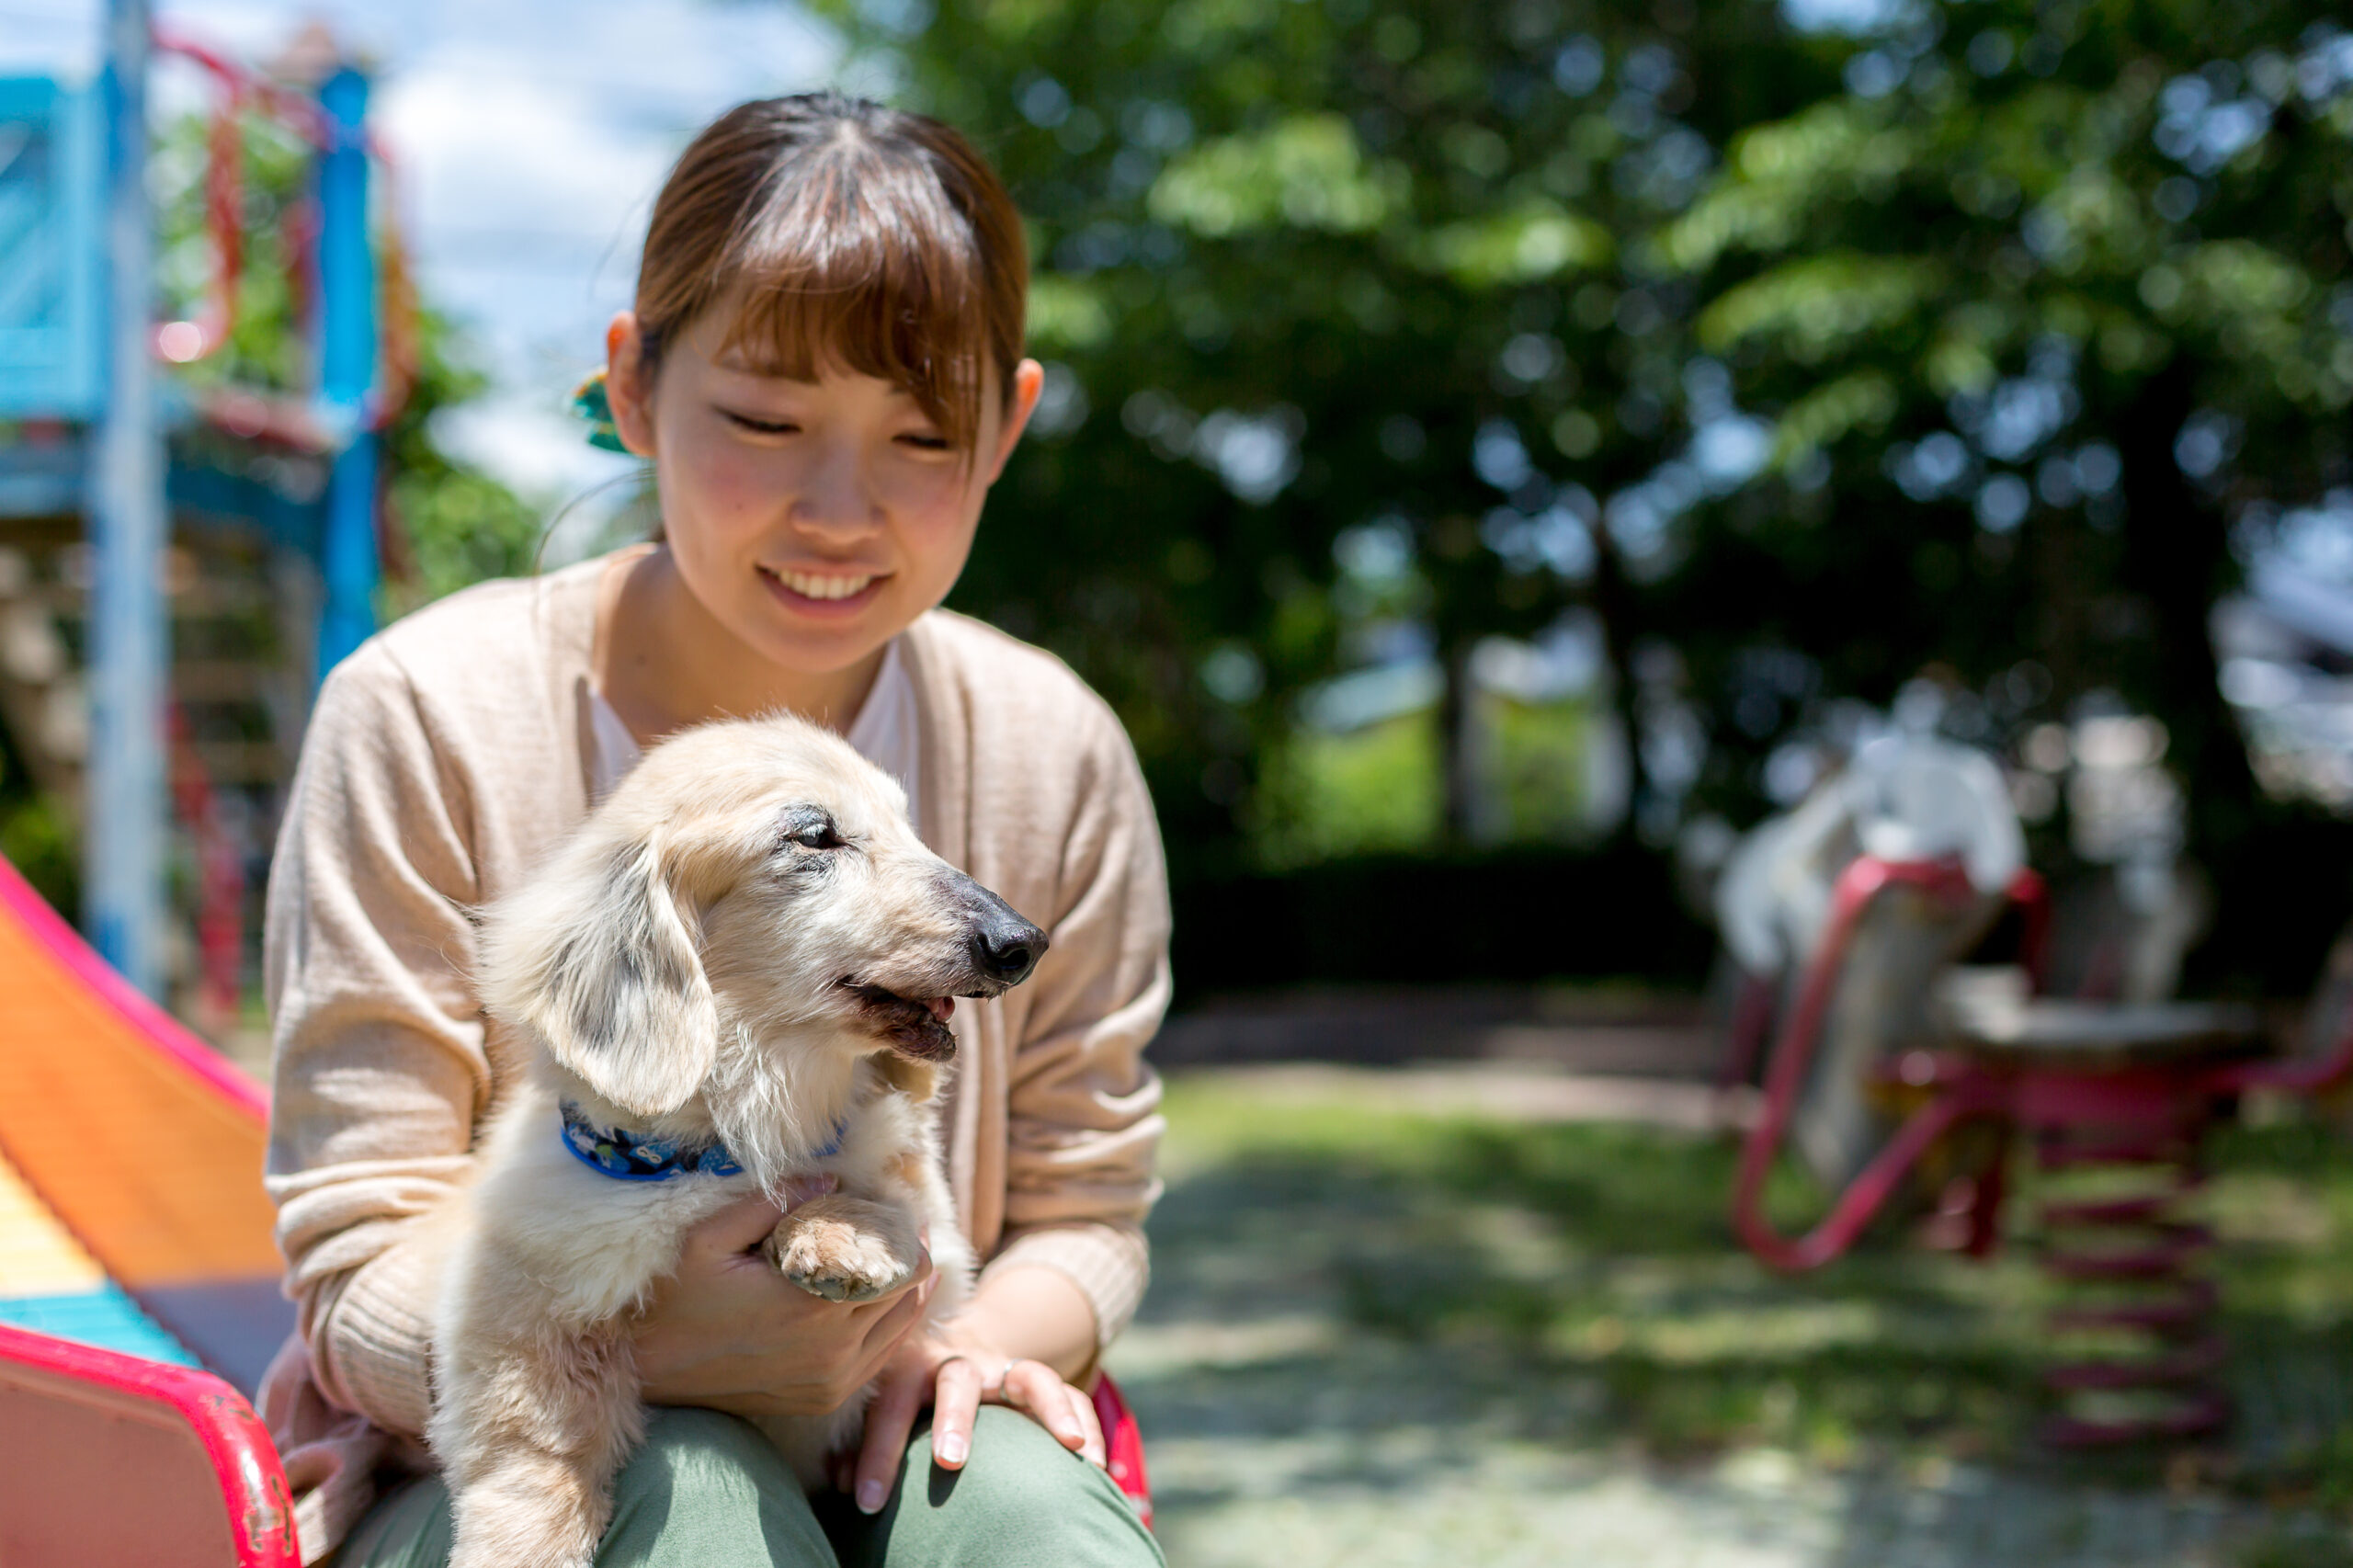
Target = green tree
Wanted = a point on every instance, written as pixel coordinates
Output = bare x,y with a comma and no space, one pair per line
2043,301
1971,344
1307,270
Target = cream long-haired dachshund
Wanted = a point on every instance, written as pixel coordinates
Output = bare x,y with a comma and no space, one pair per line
739,970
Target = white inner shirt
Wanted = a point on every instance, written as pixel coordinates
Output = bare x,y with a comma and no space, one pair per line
883,732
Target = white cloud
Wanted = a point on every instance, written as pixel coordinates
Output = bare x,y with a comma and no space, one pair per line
535,450
485,156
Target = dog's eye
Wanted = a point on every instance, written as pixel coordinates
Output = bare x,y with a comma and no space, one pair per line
815,835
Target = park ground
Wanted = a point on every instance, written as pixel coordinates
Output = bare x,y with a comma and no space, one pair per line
1454,1315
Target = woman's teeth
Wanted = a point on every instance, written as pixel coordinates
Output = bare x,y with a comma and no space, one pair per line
811,587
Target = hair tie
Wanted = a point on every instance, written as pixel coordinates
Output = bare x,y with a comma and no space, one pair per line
590,405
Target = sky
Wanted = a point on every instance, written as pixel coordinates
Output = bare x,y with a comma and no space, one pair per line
529,138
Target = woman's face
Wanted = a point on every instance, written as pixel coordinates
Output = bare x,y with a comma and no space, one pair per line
815,520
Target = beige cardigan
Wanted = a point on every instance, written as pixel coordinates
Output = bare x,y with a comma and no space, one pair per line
444,758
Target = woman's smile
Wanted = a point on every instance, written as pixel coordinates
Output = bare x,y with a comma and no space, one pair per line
831,595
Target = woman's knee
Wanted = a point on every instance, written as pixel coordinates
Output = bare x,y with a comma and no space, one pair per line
707,1489
703,1491
687,1447
1020,1497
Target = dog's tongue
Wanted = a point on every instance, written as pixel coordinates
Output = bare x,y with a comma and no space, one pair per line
941,1006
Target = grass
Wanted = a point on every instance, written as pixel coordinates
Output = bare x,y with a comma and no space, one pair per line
1577,1285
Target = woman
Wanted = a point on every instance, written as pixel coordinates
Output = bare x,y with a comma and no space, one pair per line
824,367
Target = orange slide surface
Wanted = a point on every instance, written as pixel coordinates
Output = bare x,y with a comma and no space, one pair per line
131,1208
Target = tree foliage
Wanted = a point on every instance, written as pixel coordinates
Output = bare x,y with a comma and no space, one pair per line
1304,271
1809,359
2042,301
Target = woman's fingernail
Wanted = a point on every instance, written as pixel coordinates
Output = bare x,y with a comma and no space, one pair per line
950,1450
870,1496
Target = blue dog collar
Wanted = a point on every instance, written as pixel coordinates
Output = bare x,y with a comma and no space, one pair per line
625,1157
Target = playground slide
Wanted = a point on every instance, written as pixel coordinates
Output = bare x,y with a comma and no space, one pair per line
131,1209
135,1252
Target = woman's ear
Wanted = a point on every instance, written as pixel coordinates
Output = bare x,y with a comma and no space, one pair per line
1029,382
604,964
629,383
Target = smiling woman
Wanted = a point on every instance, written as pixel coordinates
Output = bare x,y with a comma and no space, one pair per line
831,293
810,519
825,369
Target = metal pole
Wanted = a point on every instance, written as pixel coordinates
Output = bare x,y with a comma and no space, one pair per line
124,820
346,371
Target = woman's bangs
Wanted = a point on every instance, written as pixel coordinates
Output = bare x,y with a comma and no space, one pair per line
864,269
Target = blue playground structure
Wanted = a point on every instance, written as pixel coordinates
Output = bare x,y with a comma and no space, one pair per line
52,183
178,567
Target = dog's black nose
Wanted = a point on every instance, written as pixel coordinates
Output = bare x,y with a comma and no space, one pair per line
1006,947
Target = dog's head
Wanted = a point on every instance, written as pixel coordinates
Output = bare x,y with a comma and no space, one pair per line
751,881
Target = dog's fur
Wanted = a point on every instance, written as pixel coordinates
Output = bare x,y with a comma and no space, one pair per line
745,942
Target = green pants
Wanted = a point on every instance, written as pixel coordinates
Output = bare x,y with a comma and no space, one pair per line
708,1491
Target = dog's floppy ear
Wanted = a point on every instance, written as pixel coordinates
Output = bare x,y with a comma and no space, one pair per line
604,964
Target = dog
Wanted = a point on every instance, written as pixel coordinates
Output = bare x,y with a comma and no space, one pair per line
738,971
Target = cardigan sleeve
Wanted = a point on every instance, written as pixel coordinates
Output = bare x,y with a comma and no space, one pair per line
378,1069
1083,1123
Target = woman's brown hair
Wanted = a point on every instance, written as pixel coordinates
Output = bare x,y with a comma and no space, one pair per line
843,233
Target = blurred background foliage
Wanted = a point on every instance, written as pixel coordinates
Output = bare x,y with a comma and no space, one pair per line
450,522
1527,433
1724,362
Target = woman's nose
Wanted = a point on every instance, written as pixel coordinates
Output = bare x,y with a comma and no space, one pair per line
836,496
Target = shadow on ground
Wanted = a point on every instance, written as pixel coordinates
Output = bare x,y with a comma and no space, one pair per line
1376,1338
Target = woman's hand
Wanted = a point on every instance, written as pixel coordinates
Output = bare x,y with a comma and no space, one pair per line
728,1331
956,1374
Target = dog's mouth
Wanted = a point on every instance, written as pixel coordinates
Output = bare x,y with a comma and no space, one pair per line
915,1026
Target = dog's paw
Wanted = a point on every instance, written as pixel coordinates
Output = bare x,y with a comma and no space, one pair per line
847,1249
